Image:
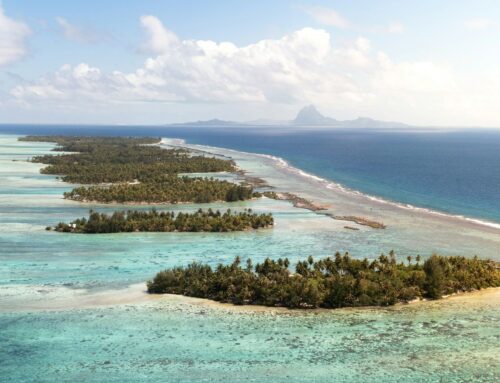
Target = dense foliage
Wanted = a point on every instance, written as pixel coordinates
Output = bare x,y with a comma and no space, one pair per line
138,171
154,221
121,159
168,189
329,283
87,143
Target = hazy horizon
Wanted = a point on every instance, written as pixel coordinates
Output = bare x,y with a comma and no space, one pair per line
419,63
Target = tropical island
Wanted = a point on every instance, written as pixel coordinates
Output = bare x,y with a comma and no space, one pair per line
335,282
136,170
164,189
154,221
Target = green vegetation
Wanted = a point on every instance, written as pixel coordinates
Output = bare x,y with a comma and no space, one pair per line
88,143
154,221
329,283
120,159
137,170
167,189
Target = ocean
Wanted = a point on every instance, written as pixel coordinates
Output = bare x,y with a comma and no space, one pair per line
456,172
73,308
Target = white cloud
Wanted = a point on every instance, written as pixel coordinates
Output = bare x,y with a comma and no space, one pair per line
160,39
478,24
422,77
13,36
354,55
327,16
282,70
300,68
76,33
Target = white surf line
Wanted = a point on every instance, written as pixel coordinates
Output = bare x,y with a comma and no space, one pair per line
281,163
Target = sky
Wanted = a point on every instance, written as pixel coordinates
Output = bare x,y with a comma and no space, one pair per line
422,62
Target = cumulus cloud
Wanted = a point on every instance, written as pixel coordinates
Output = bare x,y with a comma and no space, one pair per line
13,36
478,24
327,16
300,68
76,33
283,70
160,39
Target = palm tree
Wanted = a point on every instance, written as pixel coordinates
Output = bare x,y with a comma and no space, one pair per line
392,256
249,266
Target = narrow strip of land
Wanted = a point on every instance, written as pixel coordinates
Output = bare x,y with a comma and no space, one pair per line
154,221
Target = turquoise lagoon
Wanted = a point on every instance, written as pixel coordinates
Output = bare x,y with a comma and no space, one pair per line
73,308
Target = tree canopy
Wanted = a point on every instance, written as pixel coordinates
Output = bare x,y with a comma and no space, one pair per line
154,221
132,169
120,159
340,281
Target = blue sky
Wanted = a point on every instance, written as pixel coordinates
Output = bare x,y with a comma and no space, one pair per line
153,61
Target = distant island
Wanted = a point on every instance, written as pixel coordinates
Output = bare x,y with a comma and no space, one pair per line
136,170
328,283
308,116
214,123
154,221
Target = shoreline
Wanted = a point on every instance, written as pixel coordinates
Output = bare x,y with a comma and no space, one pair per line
487,293
136,294
337,187
492,226
116,203
134,203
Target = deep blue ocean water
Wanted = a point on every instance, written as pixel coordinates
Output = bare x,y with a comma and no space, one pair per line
456,172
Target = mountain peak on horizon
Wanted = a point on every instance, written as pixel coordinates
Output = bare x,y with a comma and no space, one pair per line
309,115
310,109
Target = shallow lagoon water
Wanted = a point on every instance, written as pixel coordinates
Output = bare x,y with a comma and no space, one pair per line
175,340
65,316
